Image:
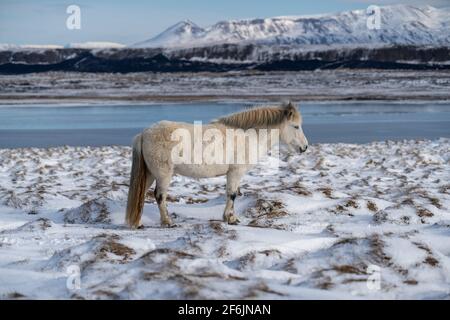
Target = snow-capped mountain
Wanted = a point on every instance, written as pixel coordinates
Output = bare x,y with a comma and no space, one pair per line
409,37
400,24
182,32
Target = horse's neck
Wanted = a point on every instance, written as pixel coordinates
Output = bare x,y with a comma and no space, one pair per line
273,136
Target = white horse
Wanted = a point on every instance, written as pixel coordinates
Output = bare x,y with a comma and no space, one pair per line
153,156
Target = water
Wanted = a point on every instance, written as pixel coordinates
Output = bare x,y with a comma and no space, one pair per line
45,126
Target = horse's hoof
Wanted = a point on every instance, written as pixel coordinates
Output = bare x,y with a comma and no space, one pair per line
233,220
168,224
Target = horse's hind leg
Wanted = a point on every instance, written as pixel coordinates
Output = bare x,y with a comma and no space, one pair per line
162,186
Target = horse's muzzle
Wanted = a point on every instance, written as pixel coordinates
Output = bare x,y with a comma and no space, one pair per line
302,149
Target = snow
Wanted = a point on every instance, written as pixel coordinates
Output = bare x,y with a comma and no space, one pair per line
74,45
180,32
7,46
94,45
309,231
400,24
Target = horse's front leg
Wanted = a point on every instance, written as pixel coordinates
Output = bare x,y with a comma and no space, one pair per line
233,179
162,186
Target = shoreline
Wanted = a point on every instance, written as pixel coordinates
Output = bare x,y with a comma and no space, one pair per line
317,144
325,122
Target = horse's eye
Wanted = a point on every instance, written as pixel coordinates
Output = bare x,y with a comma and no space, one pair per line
297,127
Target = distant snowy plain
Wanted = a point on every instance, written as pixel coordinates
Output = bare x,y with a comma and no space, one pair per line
323,85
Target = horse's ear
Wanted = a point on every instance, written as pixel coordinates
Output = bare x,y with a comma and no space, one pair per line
289,111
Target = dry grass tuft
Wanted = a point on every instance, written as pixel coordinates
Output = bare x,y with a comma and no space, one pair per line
116,248
361,270
327,191
352,204
300,189
424,213
93,211
377,250
372,206
217,227
435,202
265,212
431,261
254,291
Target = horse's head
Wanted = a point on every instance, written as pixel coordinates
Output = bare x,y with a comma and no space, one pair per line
291,132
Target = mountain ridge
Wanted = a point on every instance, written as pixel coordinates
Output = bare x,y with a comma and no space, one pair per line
410,38
223,58
400,24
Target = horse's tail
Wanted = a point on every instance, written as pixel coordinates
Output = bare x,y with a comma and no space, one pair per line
138,181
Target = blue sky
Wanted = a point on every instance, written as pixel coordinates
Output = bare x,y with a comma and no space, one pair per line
44,21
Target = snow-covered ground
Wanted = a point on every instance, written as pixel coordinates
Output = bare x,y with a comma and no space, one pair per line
320,227
58,87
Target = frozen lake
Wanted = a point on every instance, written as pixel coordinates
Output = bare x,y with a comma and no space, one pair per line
98,125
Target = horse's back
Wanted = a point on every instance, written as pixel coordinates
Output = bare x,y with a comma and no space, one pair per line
158,142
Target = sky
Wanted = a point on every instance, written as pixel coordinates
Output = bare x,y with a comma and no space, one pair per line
131,21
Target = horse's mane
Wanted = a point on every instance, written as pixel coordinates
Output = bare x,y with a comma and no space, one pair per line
260,116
